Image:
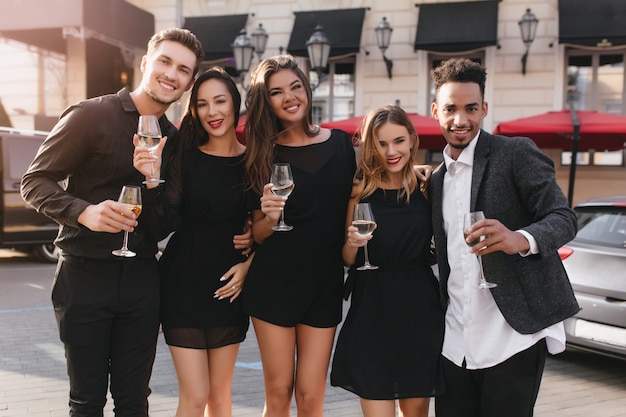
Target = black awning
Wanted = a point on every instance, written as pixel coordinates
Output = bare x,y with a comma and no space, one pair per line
41,23
457,27
342,28
592,23
216,33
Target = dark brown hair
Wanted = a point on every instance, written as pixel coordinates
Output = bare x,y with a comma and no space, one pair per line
192,134
460,70
262,126
182,36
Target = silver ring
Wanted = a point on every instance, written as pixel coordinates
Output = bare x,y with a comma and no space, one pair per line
234,288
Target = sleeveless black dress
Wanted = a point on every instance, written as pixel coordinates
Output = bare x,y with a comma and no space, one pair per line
212,209
297,276
390,343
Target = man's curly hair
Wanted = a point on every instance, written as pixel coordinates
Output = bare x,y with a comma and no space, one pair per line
461,70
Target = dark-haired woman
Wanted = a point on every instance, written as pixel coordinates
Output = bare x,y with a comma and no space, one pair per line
202,270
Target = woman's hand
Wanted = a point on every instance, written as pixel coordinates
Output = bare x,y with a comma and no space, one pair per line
144,161
244,241
235,276
271,204
355,240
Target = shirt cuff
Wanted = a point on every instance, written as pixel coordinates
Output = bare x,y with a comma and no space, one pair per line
534,248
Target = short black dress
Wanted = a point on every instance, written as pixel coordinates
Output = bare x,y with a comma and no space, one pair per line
211,210
389,345
297,276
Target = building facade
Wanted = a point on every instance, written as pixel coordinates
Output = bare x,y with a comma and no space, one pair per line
573,60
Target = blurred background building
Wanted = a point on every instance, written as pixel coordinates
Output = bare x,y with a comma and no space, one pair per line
541,56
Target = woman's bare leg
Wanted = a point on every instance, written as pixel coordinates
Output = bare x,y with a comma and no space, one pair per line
277,346
192,371
221,369
314,346
378,408
414,407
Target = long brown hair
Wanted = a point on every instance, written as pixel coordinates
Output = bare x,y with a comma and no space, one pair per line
262,127
371,167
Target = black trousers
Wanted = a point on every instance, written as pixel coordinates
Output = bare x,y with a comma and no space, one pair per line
508,389
108,318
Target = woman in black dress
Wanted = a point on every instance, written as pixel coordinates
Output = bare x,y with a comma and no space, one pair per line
202,271
389,345
294,286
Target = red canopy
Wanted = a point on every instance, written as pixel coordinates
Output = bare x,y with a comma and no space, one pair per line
427,129
239,128
601,131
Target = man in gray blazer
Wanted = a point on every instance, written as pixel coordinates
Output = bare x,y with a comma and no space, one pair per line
496,340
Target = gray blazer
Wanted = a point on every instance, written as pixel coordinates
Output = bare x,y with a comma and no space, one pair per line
514,182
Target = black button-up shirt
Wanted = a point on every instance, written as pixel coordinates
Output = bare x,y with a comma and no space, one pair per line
86,159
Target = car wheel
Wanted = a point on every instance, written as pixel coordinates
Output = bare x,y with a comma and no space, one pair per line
47,252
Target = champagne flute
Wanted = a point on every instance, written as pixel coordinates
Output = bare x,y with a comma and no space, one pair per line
131,198
282,181
468,220
363,220
149,133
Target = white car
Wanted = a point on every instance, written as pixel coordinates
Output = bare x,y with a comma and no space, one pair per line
596,264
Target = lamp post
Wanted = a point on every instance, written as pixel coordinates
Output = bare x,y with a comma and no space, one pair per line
528,27
383,37
259,40
318,48
242,49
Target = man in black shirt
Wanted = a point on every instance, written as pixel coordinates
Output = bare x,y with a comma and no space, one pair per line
107,307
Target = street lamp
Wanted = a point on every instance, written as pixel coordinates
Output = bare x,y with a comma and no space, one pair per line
383,37
318,48
528,27
259,40
242,49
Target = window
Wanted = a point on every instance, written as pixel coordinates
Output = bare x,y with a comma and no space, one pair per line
595,80
434,157
594,158
602,225
334,98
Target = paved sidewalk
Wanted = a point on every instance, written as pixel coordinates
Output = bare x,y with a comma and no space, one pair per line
33,381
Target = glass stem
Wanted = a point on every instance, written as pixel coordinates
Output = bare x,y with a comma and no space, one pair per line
367,258
480,264
282,216
125,245
152,168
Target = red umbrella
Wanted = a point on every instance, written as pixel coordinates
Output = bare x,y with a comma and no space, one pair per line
601,131
427,129
239,128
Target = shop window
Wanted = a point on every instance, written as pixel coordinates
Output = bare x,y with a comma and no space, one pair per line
595,80
594,158
334,97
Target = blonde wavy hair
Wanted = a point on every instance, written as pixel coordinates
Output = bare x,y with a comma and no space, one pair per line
372,165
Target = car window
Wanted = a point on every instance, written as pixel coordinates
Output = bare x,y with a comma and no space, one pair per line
602,225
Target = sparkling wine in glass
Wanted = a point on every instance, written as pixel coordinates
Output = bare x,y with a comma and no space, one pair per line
468,220
283,185
131,198
363,220
149,133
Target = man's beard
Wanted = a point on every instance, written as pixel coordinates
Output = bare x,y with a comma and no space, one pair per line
459,146
156,98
